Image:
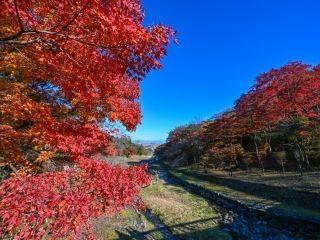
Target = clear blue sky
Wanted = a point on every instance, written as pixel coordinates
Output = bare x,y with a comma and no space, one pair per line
223,45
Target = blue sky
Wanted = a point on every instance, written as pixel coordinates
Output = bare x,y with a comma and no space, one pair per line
223,46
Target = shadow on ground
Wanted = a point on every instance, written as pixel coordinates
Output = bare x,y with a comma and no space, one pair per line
275,193
186,231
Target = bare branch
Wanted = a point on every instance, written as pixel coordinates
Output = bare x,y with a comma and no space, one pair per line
70,57
13,169
18,42
24,56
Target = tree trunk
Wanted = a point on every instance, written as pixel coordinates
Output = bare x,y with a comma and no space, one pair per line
269,144
307,159
298,158
258,155
282,166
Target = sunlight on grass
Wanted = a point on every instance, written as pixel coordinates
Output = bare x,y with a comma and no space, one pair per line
122,227
216,184
186,215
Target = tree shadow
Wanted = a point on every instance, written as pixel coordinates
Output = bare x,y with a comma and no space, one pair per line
188,230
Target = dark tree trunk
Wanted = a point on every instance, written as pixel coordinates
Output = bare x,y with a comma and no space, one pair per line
298,158
258,155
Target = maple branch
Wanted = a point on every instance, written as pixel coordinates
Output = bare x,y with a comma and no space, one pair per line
13,169
74,17
23,125
21,31
64,36
24,56
17,42
70,57
18,14
66,114
10,39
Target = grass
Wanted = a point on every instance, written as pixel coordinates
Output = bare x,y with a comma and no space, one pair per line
122,227
308,182
252,194
186,215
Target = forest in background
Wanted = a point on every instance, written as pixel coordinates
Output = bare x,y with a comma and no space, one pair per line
274,126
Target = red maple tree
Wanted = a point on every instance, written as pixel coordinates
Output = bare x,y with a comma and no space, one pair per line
67,68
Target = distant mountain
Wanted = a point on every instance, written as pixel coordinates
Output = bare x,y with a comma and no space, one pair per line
154,143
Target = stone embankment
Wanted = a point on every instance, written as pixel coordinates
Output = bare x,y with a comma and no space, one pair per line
244,220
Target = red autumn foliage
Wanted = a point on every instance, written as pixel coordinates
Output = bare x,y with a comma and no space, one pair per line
280,95
66,69
282,105
60,204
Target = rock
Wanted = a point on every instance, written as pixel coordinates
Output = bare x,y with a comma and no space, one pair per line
283,237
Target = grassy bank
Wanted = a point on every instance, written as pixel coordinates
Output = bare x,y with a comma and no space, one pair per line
308,182
253,191
186,215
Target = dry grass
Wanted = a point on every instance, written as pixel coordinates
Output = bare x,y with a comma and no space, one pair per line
128,224
122,160
219,184
138,158
186,215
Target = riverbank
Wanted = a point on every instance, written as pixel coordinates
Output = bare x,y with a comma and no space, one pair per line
189,203
275,211
186,215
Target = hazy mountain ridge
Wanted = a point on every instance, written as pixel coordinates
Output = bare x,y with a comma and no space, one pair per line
154,143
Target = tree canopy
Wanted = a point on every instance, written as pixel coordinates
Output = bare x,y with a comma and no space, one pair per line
67,68
280,112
